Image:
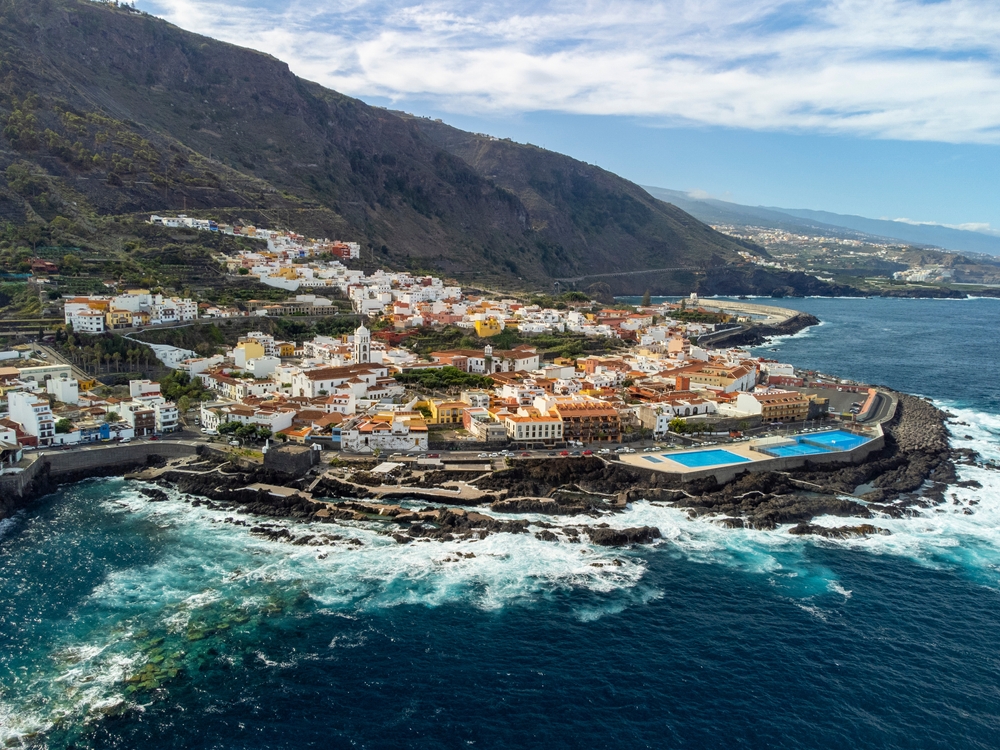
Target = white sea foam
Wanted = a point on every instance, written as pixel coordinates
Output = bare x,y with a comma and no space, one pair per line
7,525
208,567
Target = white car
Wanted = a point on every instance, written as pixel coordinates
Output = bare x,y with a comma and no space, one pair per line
483,455
234,442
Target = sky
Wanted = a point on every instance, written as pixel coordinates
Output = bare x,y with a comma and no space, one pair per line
882,108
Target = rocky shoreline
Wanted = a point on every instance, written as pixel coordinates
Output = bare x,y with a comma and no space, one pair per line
911,472
756,335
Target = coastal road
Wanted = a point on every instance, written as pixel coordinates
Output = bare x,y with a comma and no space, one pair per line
629,273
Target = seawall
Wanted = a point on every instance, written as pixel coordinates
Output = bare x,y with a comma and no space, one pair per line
51,468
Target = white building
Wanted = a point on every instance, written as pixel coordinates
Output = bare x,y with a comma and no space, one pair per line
33,414
66,390
362,345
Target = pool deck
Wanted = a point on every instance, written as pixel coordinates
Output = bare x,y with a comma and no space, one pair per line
755,461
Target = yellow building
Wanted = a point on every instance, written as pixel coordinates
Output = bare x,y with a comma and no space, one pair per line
250,349
285,348
488,327
783,406
446,412
119,319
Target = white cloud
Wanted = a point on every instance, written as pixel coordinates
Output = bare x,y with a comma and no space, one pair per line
972,226
903,69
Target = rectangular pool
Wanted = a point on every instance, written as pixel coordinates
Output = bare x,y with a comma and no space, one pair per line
799,449
839,440
712,457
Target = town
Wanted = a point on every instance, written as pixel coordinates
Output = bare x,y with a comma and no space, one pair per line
661,387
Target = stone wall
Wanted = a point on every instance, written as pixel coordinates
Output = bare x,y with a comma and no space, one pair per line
49,468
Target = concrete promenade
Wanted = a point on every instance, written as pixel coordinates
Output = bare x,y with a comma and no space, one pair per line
769,315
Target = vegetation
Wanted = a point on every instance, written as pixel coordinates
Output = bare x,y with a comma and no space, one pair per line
567,344
73,175
444,378
181,388
241,431
103,352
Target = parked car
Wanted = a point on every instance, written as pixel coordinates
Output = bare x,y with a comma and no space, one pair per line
588,452
433,455
234,442
126,440
564,454
154,437
604,451
483,455
525,454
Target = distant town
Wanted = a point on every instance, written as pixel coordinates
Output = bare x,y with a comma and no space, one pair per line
364,393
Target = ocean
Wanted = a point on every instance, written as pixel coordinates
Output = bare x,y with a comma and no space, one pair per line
126,623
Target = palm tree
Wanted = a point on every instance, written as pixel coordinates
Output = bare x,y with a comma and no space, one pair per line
117,357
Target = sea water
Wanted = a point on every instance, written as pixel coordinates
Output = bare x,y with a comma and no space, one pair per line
713,637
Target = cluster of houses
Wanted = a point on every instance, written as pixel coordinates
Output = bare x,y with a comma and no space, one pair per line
341,392
42,405
134,308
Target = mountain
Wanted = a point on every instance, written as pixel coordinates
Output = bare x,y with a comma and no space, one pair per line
109,112
800,220
947,238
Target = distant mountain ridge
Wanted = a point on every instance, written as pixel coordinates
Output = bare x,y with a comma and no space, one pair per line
802,220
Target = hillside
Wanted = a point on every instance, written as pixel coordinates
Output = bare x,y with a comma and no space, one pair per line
830,224
108,112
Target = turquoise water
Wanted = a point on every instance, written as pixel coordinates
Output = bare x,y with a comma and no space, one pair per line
836,440
799,449
711,638
711,457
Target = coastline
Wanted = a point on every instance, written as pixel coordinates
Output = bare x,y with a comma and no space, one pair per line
911,472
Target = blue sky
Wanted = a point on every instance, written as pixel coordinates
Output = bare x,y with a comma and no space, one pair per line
888,109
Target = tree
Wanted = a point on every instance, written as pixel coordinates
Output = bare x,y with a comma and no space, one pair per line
112,417
70,265
646,301
246,432
228,428
63,426
183,404
677,425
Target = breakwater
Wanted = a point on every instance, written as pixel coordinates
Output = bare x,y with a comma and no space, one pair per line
49,468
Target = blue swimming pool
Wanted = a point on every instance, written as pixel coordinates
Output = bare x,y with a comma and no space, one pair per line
712,457
838,440
799,449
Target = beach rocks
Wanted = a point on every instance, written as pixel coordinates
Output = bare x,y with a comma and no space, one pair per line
154,495
608,537
839,532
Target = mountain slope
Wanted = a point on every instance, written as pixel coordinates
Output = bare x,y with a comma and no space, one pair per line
573,204
106,111
830,224
948,238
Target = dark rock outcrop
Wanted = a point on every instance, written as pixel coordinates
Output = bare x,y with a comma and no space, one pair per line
607,537
838,532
